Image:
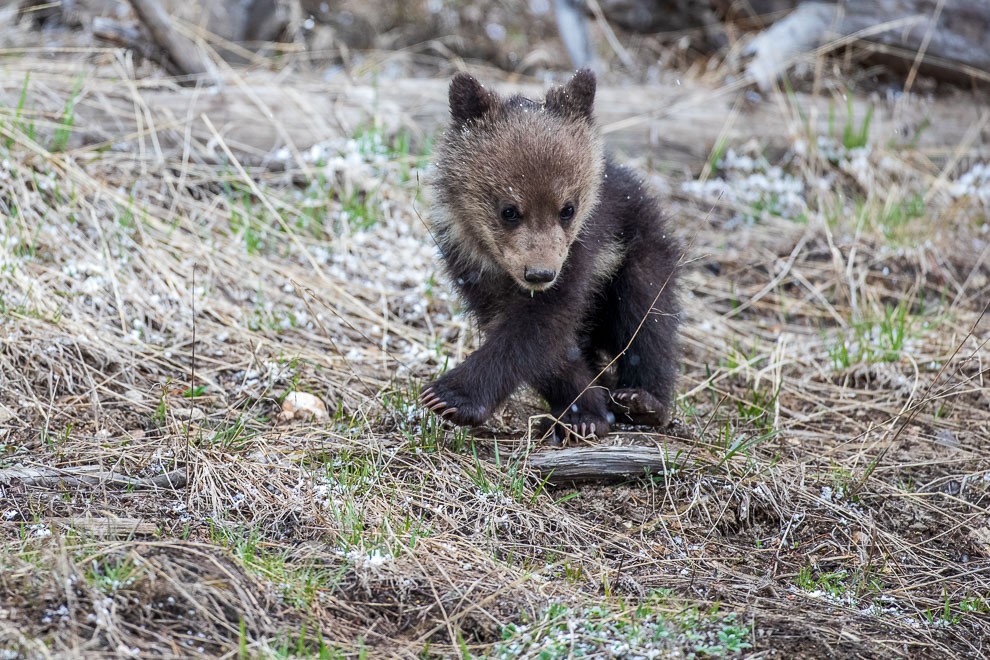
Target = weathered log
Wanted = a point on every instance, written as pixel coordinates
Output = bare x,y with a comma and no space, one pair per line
951,40
597,463
676,125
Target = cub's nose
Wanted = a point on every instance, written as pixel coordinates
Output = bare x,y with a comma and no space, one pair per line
539,275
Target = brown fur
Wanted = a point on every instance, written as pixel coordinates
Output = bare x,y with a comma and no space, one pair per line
516,153
559,255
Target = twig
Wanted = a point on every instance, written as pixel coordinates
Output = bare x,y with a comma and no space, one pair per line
192,379
613,41
920,55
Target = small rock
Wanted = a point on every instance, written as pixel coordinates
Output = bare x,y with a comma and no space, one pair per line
188,414
303,405
947,438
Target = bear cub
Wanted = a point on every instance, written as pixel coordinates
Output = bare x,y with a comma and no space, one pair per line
562,257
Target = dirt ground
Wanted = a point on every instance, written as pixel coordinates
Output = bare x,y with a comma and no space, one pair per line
166,281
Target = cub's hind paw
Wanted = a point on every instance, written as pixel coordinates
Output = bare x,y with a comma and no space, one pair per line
573,429
636,406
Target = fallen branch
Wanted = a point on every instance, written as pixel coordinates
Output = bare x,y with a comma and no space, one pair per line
187,57
107,527
127,36
88,476
598,463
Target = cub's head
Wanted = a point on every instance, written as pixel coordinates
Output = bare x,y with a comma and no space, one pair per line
517,179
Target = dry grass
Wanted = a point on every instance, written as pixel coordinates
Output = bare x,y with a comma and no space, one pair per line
827,487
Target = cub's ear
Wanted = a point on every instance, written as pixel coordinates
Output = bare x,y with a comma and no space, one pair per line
576,98
468,99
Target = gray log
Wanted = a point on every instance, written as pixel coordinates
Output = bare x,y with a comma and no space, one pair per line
950,43
677,125
960,36
559,466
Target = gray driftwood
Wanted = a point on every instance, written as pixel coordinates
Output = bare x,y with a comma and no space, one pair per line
949,40
677,124
597,463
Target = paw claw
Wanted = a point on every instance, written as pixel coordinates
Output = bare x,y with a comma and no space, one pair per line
454,401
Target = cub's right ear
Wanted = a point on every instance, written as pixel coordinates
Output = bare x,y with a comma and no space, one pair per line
576,98
468,99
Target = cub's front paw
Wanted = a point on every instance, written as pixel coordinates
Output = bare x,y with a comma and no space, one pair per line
451,401
636,406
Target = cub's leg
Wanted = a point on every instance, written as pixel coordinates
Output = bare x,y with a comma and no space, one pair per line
528,345
638,406
641,328
579,406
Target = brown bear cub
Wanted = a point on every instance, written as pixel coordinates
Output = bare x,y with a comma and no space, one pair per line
562,257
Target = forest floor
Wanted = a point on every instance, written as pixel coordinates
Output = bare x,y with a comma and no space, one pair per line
163,288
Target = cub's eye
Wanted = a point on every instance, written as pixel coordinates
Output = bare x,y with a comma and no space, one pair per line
511,216
567,213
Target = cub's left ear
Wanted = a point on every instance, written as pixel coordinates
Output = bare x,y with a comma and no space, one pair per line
576,98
